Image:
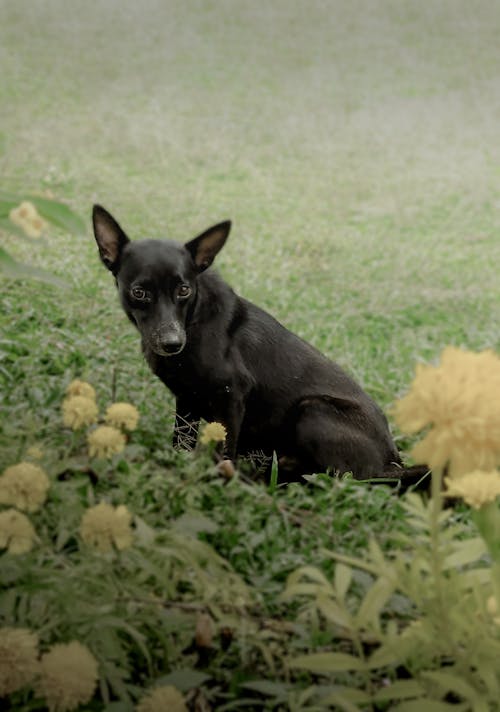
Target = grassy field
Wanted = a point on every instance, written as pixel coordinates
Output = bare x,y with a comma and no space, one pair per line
355,146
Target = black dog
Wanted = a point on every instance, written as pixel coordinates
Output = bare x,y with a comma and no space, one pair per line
226,360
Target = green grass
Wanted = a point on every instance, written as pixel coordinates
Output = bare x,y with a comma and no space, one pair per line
355,146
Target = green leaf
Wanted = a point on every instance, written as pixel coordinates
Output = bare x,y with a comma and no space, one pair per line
310,572
59,214
184,679
144,534
7,202
399,690
425,704
342,580
376,598
6,259
273,481
488,674
334,612
340,700
17,270
382,657
6,225
350,694
277,690
121,706
450,682
467,551
327,662
192,523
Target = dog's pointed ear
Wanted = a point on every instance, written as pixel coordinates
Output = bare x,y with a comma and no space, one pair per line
109,236
204,248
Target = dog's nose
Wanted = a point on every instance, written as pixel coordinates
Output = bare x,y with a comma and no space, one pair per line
171,344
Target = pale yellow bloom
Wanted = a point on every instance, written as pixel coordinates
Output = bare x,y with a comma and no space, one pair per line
26,217
16,532
35,452
476,488
80,388
459,400
492,609
103,526
213,433
18,659
68,676
105,441
24,486
162,699
492,606
79,411
122,415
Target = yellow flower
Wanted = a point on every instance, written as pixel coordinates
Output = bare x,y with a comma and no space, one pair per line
105,441
459,400
80,388
477,488
68,676
35,452
103,526
213,433
122,415
79,411
28,219
492,606
18,659
16,532
24,486
162,699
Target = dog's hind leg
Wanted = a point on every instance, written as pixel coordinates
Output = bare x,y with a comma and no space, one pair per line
329,441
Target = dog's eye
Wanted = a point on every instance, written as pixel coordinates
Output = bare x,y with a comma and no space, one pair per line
183,291
138,293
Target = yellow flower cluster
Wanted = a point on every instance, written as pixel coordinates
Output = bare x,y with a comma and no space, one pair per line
459,401
122,415
18,659
16,532
24,486
105,441
476,488
103,527
162,698
213,433
79,411
26,217
68,676
80,388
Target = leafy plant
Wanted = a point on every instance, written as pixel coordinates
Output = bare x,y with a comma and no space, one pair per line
426,629
26,217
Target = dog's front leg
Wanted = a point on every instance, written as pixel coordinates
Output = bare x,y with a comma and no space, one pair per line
230,413
186,426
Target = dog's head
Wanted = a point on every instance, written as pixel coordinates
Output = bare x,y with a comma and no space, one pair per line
157,279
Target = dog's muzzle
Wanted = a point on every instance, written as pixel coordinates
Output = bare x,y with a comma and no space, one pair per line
169,342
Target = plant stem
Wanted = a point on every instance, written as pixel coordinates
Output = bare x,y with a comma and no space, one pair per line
436,557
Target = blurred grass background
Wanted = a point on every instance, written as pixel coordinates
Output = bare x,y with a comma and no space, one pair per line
355,146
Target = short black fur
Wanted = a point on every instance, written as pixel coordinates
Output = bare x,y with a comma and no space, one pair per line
227,360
